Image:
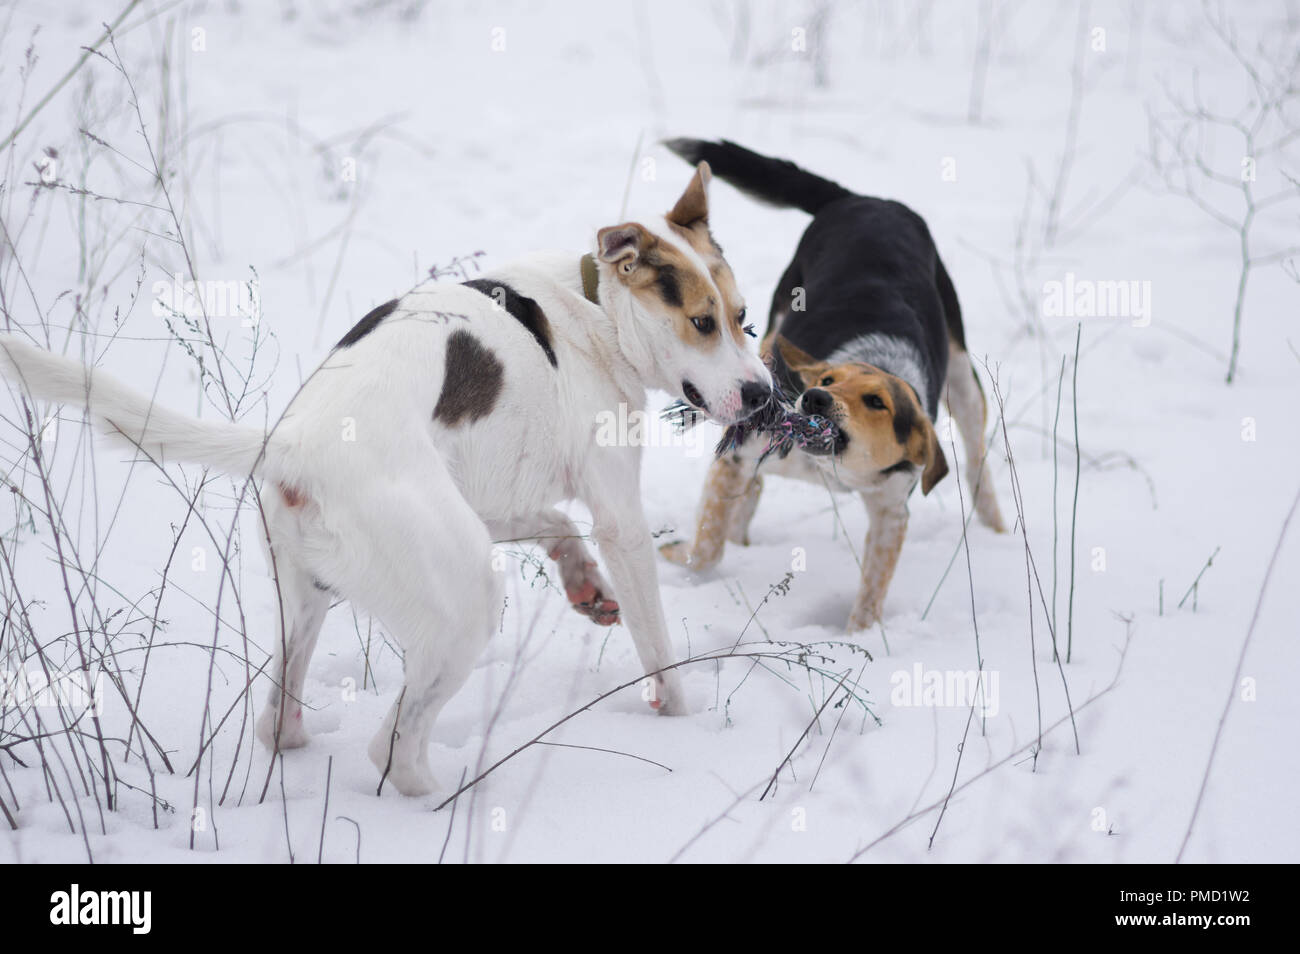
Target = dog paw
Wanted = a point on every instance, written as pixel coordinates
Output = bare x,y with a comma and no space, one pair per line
292,733
666,694
411,780
987,509
678,551
862,620
585,588
991,517
692,557
408,776
588,598
602,612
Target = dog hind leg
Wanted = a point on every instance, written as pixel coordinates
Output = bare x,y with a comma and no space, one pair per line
301,607
419,558
966,404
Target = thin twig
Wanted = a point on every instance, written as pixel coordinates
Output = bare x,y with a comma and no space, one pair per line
324,814
771,783
1236,677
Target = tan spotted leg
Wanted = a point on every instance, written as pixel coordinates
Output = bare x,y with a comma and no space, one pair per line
880,556
966,404
723,489
743,512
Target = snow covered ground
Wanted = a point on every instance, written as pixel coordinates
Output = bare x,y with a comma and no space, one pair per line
342,150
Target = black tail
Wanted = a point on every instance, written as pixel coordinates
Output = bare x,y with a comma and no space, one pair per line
774,181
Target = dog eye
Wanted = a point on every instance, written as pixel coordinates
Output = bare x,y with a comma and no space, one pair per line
828,380
874,402
703,324
740,316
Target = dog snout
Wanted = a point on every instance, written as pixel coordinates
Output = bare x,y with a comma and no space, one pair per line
754,395
816,401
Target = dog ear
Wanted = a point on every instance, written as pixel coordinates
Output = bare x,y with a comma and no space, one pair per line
693,206
799,361
793,355
623,245
936,465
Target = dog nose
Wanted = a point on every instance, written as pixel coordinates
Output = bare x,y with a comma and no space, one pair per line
754,395
816,401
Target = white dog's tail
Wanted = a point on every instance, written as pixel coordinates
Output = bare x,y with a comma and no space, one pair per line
129,415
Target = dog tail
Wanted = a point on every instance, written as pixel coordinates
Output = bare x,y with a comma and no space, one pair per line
776,182
128,415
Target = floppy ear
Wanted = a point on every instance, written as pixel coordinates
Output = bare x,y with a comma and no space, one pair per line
936,465
693,206
623,245
794,356
799,361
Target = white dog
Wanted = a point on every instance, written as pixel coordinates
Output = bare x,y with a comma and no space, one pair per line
472,411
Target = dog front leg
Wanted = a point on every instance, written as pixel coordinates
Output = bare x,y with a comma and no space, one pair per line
742,514
584,586
724,490
880,556
628,550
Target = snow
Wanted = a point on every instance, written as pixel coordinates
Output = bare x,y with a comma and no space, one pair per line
457,148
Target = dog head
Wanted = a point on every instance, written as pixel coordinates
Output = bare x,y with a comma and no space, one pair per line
883,427
680,316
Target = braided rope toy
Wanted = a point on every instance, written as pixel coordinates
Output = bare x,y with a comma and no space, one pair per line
784,427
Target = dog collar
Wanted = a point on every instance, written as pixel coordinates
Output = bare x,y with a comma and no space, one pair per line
590,279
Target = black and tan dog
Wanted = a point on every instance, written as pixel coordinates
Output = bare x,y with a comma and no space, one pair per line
865,328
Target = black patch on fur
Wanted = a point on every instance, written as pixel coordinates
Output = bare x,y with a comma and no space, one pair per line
367,324
526,311
904,410
471,381
903,466
670,290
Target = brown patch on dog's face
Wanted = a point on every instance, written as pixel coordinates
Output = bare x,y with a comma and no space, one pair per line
704,303
886,427
689,221
667,282
675,270
700,240
698,291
